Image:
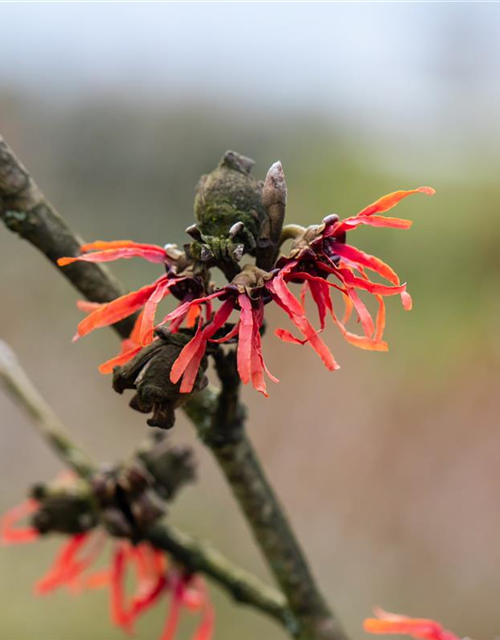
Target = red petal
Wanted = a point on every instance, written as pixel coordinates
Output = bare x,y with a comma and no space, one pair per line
182,309
389,201
362,342
192,315
245,339
151,578
103,245
286,297
348,308
380,322
134,338
122,358
87,306
257,364
419,628
148,319
304,326
115,311
286,336
207,625
191,372
231,334
373,221
66,565
195,348
322,299
373,287
113,254
363,313
119,614
185,356
174,613
11,535
96,580
355,255
145,252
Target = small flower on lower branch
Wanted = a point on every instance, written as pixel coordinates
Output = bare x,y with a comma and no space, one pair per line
121,500
387,623
154,579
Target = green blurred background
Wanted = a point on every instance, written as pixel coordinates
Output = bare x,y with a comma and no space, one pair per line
389,468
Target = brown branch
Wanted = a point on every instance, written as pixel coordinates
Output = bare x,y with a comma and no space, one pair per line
21,390
25,210
240,465
199,556
194,555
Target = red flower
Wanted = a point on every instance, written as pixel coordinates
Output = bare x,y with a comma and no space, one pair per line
321,251
317,253
71,570
419,628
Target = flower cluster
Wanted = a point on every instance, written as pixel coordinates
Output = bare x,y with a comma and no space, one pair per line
319,259
154,578
387,623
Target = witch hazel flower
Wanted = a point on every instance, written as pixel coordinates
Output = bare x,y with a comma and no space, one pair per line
386,623
316,254
321,251
319,259
154,578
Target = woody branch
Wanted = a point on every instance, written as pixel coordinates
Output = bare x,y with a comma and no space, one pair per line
25,211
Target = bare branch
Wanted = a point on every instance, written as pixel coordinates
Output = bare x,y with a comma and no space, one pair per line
265,516
22,390
194,555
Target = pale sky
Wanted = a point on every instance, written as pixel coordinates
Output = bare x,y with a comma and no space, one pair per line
389,67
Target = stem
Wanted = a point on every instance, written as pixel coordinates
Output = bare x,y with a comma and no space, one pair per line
194,555
22,390
199,556
224,435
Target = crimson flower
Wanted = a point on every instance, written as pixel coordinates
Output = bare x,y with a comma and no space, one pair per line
71,569
317,253
419,628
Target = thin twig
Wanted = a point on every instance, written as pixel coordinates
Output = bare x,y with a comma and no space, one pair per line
240,465
199,556
194,555
22,390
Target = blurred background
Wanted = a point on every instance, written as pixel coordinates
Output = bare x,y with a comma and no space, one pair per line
389,468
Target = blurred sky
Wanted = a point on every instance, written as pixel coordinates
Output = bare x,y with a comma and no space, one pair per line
389,468
381,66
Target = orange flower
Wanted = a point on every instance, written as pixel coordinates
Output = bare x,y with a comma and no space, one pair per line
318,253
71,569
418,628
322,252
